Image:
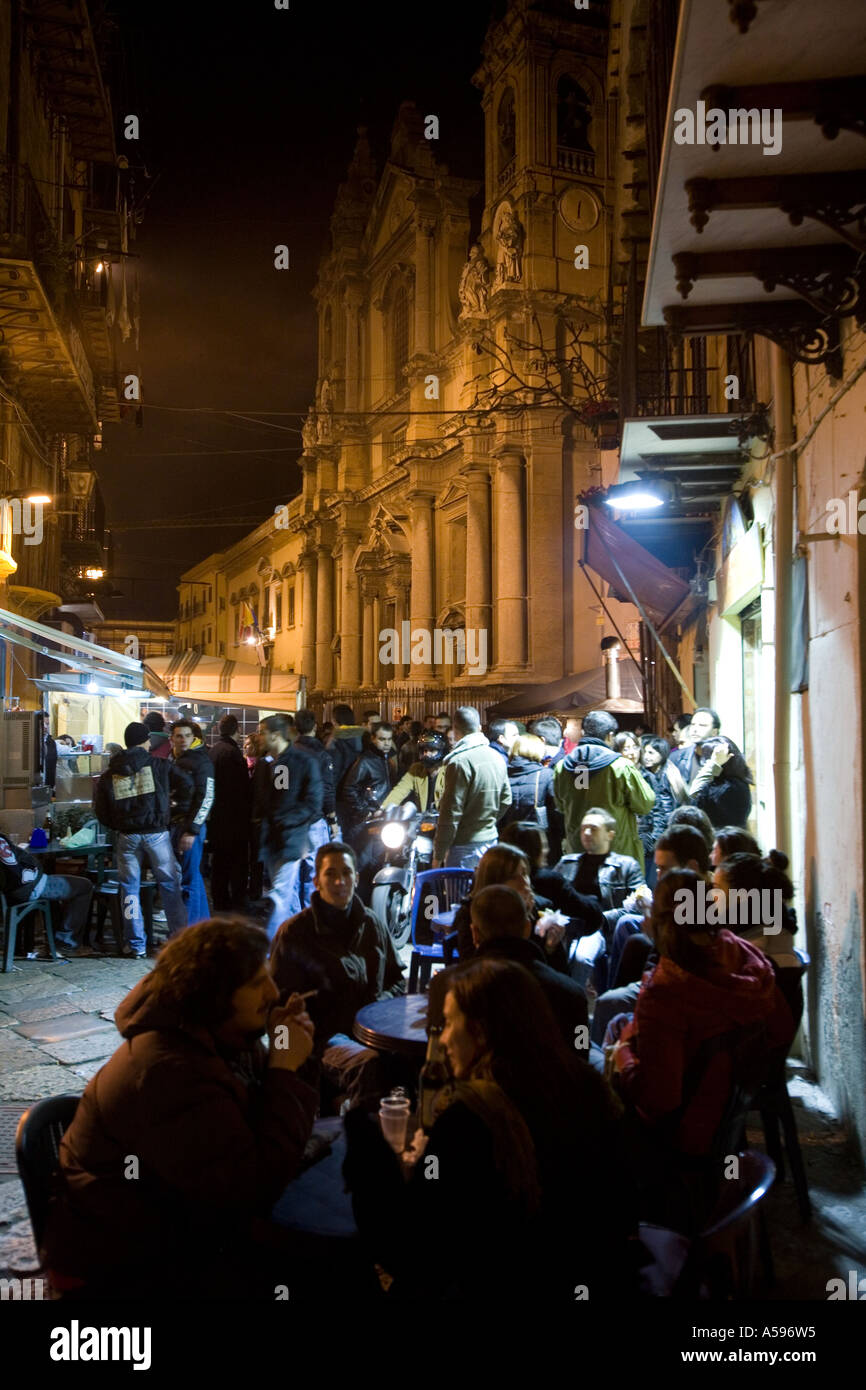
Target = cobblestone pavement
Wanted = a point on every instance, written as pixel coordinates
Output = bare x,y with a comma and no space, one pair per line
56,1030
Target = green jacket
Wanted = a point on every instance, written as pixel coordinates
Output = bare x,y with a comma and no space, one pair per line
415,782
475,794
613,784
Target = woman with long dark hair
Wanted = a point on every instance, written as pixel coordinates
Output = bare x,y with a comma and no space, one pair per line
491,1206
670,789
721,784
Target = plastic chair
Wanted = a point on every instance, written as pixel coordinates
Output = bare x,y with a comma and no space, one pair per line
107,897
447,887
37,1153
13,913
719,1262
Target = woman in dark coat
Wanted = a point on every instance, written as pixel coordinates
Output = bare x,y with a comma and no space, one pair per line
523,1129
721,784
531,784
670,789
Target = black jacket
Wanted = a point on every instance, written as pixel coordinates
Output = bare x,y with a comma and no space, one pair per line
230,818
349,957
618,875
288,800
655,822
584,911
133,795
369,782
565,996
344,748
530,784
13,861
326,768
191,809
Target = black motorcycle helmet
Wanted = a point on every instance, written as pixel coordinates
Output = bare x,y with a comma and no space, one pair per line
432,748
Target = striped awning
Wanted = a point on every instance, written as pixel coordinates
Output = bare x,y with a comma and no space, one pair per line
212,680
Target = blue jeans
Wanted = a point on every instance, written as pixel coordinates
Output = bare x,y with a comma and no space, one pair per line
587,961
318,836
607,1006
156,848
467,856
628,925
76,893
194,895
284,892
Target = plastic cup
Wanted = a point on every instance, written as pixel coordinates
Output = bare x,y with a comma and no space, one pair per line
394,1120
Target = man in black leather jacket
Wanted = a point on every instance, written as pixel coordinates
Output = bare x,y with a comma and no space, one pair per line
367,784
608,877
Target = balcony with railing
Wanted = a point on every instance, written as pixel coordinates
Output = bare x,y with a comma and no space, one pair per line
575,161
42,352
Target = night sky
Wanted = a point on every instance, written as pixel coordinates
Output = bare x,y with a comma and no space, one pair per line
248,120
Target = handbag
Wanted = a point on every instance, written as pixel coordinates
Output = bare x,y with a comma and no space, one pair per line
539,813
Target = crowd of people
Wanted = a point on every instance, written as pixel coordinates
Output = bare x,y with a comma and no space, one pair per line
593,1014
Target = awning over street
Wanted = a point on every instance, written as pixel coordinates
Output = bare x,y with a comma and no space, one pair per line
194,678
572,694
90,669
620,561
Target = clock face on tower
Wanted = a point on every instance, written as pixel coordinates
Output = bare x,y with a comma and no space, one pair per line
578,208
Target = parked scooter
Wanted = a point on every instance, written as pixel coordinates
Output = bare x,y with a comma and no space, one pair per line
407,837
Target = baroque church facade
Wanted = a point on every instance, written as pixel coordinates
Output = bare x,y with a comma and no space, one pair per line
430,558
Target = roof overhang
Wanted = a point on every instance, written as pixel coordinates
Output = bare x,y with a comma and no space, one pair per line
90,669
745,239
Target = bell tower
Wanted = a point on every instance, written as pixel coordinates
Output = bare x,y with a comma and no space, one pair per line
546,148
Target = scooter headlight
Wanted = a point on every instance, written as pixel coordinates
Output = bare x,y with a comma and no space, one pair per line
393,834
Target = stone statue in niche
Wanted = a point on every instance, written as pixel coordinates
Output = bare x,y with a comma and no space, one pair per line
326,411
309,430
509,235
474,284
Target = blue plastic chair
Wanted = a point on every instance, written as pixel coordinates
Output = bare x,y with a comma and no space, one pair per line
447,887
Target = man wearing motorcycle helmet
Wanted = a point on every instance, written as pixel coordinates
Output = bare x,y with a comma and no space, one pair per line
423,781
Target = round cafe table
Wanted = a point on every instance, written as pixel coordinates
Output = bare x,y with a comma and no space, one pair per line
394,1025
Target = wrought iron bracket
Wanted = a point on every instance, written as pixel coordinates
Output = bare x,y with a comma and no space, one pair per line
836,200
805,335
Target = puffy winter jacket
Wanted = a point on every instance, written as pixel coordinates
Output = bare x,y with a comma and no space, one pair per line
655,822
613,784
133,795
676,1012
475,794
531,786
191,809
214,1151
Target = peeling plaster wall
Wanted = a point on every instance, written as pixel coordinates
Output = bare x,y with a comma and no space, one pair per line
830,740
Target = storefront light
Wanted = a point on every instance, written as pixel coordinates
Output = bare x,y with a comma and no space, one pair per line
639,496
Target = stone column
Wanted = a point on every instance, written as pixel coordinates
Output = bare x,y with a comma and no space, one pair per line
399,618
369,643
423,594
478,549
377,640
324,619
510,564
350,625
307,566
